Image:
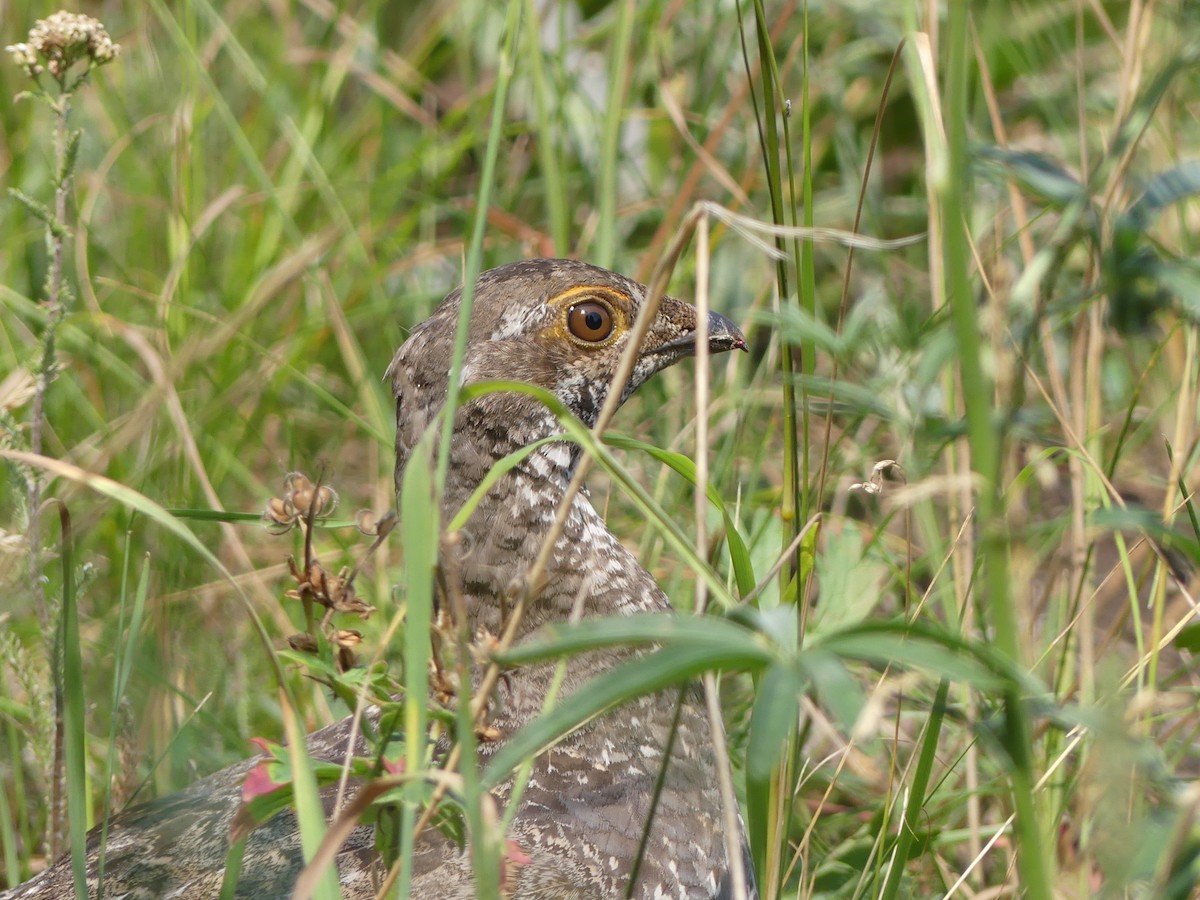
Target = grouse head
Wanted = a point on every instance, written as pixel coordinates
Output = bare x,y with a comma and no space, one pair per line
558,324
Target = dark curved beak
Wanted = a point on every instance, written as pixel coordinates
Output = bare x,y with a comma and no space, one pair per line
723,335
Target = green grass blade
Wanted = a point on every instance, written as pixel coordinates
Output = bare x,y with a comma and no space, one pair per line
126,655
309,812
739,555
8,841
418,512
553,182
916,795
607,185
484,853
72,703
144,505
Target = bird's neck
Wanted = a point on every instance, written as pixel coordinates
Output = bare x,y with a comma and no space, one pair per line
590,572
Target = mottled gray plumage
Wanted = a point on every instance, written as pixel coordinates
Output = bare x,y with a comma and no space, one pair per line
587,803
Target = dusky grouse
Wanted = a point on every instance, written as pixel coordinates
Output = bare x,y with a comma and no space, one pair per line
561,325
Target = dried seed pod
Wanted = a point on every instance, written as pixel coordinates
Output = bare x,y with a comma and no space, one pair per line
302,642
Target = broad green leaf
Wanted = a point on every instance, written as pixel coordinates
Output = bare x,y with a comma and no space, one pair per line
1149,523
851,584
773,720
638,677
944,656
1146,102
862,399
1165,189
798,324
1182,278
1188,638
889,649
725,639
837,690
778,623
1037,174
311,662
980,654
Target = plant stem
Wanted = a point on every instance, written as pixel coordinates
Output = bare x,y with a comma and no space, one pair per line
56,243
985,438
56,296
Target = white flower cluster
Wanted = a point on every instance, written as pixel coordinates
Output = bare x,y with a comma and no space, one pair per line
57,43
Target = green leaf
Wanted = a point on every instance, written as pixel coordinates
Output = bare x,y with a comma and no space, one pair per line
773,720
923,648
142,504
1146,102
837,691
1036,174
777,624
1181,277
1165,189
1188,638
722,637
642,675
223,515
69,158
124,668
233,869
310,814
35,208
851,583
1149,523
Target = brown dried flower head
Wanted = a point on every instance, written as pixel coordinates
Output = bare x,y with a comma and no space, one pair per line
371,523
347,637
334,592
300,499
59,42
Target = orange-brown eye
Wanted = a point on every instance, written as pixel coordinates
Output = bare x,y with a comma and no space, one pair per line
591,321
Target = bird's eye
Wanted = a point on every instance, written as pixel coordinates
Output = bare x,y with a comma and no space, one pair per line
591,321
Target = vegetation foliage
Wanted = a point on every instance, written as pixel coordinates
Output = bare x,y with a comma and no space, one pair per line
945,542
